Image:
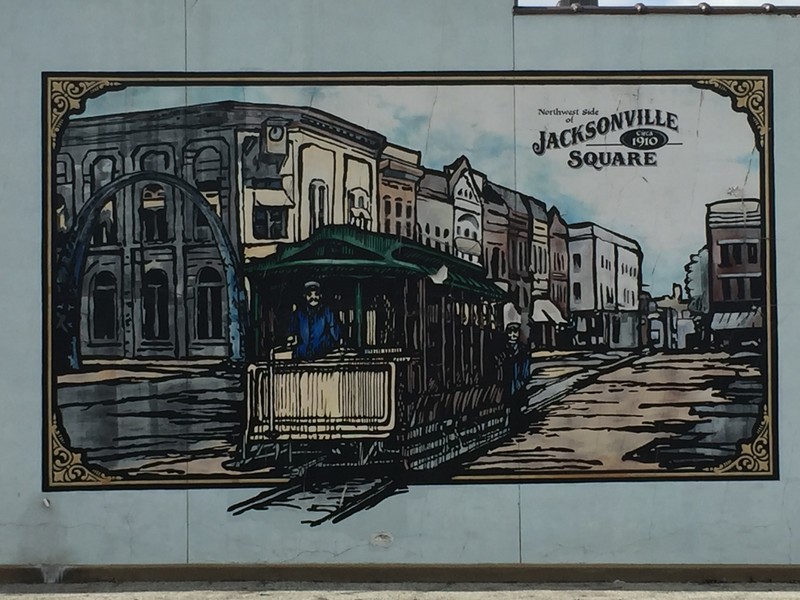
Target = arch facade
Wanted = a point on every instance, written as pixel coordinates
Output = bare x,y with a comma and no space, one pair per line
153,295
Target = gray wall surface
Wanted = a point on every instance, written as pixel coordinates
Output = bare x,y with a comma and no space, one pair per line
633,522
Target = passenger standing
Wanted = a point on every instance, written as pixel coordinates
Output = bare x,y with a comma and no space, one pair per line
313,328
515,364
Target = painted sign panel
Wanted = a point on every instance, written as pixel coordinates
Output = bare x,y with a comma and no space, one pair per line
319,283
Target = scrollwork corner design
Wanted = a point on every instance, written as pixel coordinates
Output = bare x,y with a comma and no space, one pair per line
67,96
66,465
749,96
755,456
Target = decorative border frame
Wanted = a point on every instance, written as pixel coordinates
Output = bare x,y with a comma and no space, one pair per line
65,94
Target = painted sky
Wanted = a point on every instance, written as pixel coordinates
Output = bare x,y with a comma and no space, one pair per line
662,206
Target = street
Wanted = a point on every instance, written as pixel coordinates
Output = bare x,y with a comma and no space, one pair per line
665,411
609,413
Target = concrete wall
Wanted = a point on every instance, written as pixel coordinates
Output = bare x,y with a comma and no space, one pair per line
632,522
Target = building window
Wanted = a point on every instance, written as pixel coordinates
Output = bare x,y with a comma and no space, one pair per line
154,213
202,228
438,231
726,289
317,204
398,208
576,262
358,209
724,255
752,253
576,292
408,229
495,263
737,254
208,167
209,305
387,206
63,219
270,222
397,227
105,229
104,307
155,305
409,211
756,285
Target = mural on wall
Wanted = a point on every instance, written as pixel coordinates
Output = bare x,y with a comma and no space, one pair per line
337,286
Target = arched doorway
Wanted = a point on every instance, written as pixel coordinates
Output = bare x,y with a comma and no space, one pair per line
155,290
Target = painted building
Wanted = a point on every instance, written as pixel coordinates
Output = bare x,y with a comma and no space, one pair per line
465,187
496,234
605,284
302,169
669,321
399,173
558,273
735,269
435,212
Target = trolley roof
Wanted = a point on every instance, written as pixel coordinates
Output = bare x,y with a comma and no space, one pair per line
344,250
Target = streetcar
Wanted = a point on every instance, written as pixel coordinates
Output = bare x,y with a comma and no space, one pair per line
413,378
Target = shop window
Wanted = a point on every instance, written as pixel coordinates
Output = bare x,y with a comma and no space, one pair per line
155,305
209,304
103,307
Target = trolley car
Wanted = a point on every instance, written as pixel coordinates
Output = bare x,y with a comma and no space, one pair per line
415,377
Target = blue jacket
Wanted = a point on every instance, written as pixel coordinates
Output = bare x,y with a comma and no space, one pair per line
316,331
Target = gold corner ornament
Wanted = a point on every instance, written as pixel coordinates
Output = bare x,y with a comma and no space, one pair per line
754,456
66,96
747,95
66,465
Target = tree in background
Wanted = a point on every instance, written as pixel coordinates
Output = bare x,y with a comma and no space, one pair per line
696,281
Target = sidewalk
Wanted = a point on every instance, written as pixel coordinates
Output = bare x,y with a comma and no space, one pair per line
411,591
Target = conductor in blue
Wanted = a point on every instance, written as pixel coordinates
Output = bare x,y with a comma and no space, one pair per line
313,328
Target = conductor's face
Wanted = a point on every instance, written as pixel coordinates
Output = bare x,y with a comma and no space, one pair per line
313,297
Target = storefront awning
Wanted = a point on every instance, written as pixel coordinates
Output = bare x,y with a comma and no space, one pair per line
737,320
468,246
544,310
344,250
265,197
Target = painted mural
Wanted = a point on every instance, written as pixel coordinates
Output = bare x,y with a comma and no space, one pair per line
334,287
